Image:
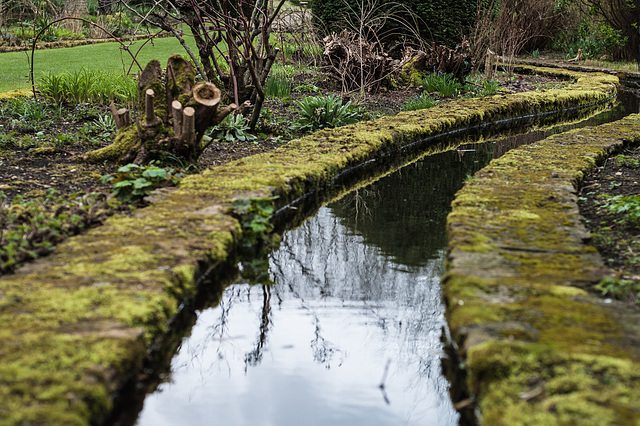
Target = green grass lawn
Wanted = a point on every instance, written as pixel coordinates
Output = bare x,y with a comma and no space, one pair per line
14,66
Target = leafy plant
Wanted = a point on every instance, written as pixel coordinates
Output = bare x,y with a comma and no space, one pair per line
423,101
618,288
444,84
234,127
627,206
278,85
629,162
535,53
106,123
40,23
32,227
308,88
131,183
319,112
593,37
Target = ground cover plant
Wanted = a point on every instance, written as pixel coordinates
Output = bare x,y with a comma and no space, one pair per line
610,202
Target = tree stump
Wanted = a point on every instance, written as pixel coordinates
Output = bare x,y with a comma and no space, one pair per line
173,114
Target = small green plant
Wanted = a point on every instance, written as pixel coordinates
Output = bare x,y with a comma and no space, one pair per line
52,87
629,162
99,130
278,85
444,84
423,101
306,88
319,112
27,109
234,127
257,236
31,227
106,123
131,183
490,88
618,288
627,206
535,53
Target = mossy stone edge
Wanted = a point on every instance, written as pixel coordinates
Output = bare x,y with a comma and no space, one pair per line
537,344
76,324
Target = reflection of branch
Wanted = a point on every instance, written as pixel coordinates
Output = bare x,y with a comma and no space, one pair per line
254,357
384,379
323,352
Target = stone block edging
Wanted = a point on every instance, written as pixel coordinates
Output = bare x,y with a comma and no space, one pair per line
537,345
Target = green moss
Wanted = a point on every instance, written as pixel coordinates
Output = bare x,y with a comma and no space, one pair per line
16,93
182,77
126,140
570,389
159,99
536,343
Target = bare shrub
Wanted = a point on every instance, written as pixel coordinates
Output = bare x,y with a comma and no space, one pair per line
356,57
74,8
506,27
233,38
298,41
354,62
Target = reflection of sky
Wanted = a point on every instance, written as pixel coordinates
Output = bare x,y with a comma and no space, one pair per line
313,349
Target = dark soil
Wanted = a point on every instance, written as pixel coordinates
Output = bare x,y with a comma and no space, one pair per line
615,235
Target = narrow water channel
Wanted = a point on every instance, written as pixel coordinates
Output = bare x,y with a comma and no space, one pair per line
349,332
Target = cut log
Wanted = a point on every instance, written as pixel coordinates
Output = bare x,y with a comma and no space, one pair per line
123,117
151,119
176,112
207,97
188,125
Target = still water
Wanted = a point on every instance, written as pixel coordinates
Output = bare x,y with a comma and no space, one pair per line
355,304
349,331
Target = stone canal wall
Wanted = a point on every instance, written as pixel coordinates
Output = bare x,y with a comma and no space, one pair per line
535,344
78,325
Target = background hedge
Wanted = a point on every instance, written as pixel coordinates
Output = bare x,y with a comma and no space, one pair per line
441,21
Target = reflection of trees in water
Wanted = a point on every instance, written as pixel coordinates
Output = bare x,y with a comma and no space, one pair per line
323,350
321,262
254,357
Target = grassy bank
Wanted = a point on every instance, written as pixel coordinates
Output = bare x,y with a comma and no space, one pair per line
101,56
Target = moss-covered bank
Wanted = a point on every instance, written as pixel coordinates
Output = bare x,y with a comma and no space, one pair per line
538,347
75,325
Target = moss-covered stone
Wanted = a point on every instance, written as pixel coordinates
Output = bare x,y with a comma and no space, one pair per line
538,347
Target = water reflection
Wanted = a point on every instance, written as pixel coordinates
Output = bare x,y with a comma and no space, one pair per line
313,348
348,334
